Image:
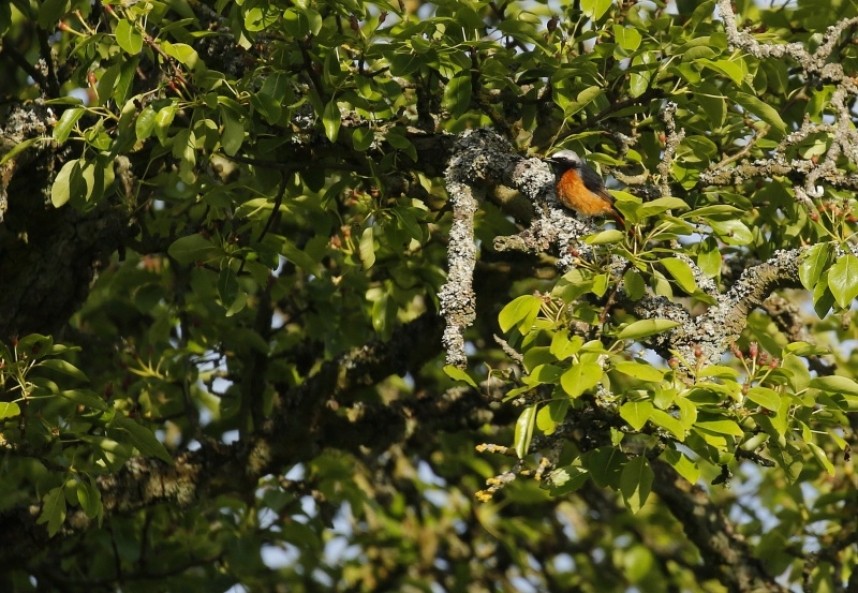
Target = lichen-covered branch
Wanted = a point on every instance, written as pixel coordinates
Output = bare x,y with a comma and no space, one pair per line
706,337
480,159
672,141
844,138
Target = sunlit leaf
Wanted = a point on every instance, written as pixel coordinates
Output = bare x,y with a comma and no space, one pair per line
646,327
843,280
521,311
813,263
9,410
580,377
524,430
636,483
636,413
128,37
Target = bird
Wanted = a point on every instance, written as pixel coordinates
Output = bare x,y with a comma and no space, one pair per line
580,188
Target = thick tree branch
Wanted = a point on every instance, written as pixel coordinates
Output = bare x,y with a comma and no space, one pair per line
728,557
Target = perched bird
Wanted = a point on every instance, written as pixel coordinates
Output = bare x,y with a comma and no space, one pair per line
580,188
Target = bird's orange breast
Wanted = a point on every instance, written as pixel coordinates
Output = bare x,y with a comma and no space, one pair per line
573,194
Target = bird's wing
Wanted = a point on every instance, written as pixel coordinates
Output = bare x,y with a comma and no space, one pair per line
594,183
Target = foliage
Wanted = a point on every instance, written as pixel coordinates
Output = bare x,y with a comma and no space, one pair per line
225,231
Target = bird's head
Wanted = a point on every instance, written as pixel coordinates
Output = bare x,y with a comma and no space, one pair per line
563,160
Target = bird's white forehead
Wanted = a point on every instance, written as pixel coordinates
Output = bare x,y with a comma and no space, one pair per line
569,156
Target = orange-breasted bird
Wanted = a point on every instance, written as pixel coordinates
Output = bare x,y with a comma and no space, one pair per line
580,188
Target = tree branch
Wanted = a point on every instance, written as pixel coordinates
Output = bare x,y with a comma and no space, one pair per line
729,558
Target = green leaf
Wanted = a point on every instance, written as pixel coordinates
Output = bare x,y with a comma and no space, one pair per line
627,38
183,52
366,248
331,118
185,150
639,370
107,83
405,63
384,314
397,139
835,384
545,373
141,438
192,248
813,264
765,397
605,465
89,498
823,299
634,285
666,421
551,415
273,94
646,327
606,237
163,119
843,280
458,374
822,457
227,287
521,311
457,94
233,132
53,510
581,377
295,23
682,464
123,87
63,366
562,346
720,426
582,100
709,258
98,176
128,37
67,121
87,398
717,211
567,479
595,8
730,68
636,483
145,123
362,139
660,205
61,189
636,413
9,410
681,272
715,107
524,430
732,232
763,110
299,257
50,11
